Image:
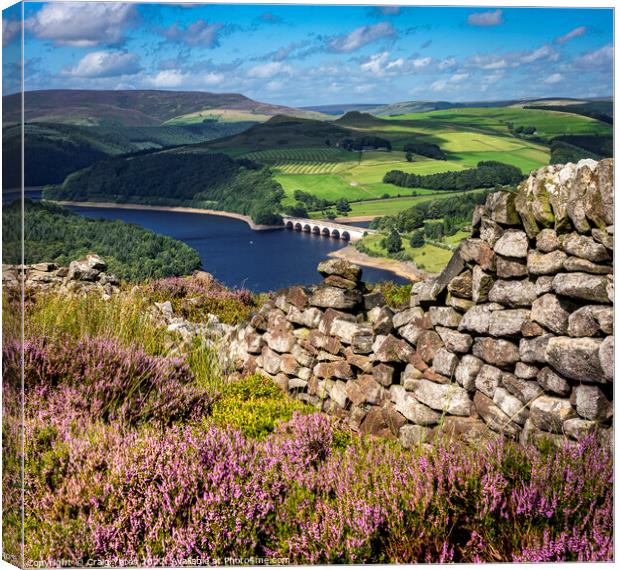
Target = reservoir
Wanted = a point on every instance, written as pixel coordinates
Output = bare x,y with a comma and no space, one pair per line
239,256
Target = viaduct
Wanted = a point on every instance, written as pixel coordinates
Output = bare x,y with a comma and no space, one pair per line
328,229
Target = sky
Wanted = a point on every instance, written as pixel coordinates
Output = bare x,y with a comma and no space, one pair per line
317,55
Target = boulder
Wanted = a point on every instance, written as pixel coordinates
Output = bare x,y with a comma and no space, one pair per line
576,358
341,268
499,352
549,413
584,247
581,286
513,243
448,398
547,241
545,263
591,403
467,371
335,298
551,313
517,293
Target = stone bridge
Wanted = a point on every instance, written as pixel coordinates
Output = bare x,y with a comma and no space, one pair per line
327,229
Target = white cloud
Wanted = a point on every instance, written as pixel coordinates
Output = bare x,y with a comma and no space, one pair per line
104,64
212,78
198,33
488,62
577,32
82,24
447,63
600,58
458,77
544,52
553,79
421,62
486,19
449,83
172,78
168,78
360,37
380,64
265,70
10,30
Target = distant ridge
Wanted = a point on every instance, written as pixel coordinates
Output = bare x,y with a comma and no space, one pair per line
137,107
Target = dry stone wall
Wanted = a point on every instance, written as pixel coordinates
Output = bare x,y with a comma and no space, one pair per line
514,337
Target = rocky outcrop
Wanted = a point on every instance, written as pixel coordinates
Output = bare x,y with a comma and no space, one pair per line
85,275
514,337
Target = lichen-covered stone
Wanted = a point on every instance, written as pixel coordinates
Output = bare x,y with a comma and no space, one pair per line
507,268
591,403
510,405
453,340
411,436
584,247
581,286
461,285
507,322
335,298
411,408
549,414
490,231
525,371
545,263
445,362
547,241
591,320
467,371
498,352
606,358
552,382
383,374
429,342
513,243
488,379
393,349
407,316
518,293
578,428
500,207
481,284
525,390
551,313
578,264
448,398
576,358
444,316
494,417
478,318
477,251
337,369
533,350
365,390
340,267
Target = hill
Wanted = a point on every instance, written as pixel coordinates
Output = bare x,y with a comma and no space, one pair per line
55,234
138,107
343,108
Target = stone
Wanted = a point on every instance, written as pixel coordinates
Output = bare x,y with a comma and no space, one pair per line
507,322
507,268
407,316
86,269
444,316
445,362
552,382
533,350
544,284
411,436
279,340
501,353
490,231
289,365
374,299
410,372
547,241
341,268
339,394
330,315
393,349
513,243
461,285
294,315
576,264
478,319
428,343
356,417
297,384
606,358
411,408
282,381
467,371
510,405
525,390
365,390
525,371
551,313
431,374
581,286
411,332
500,207
384,422
297,297
472,431
481,284
254,343
448,398
337,369
576,358
271,360
578,428
584,247
340,282
531,329
477,251
591,403
303,356
360,361
602,237
48,267
454,341
346,331
383,374
517,293
325,342
335,298
545,263
383,323
591,320
533,201
549,413
459,304
488,379
494,417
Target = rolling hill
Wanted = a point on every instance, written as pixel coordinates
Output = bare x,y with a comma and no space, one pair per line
139,108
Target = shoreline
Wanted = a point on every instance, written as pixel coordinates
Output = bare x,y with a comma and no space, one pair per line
401,268
181,209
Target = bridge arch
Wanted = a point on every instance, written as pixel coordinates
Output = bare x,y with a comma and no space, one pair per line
289,225
325,231
316,230
307,228
335,233
345,235
297,227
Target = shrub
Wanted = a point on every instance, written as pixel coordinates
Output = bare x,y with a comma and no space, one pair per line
396,296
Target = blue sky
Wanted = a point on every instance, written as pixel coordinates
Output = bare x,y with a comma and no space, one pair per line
310,55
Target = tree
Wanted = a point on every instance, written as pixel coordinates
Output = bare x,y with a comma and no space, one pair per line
409,157
417,239
343,206
299,210
330,215
393,243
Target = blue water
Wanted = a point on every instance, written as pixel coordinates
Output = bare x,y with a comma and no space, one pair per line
239,256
